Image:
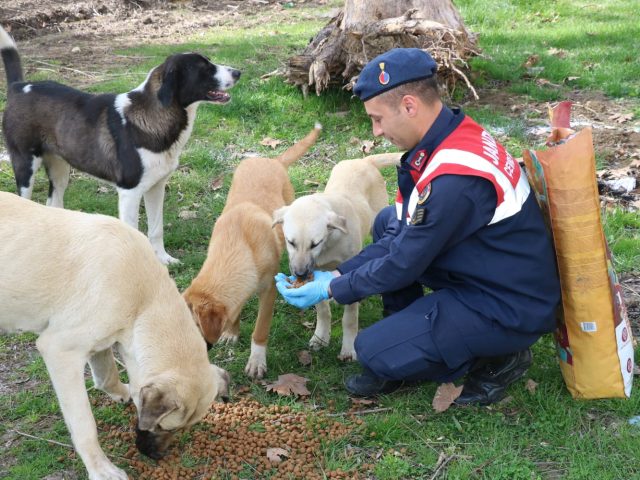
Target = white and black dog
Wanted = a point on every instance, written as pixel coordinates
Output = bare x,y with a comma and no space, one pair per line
131,140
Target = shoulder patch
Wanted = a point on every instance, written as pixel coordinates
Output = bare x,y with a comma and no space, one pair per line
424,194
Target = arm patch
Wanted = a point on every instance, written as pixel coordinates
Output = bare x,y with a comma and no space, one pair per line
418,216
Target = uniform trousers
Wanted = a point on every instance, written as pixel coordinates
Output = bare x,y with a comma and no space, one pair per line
419,339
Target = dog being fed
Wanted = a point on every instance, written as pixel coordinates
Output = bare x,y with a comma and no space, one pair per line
322,230
86,283
132,140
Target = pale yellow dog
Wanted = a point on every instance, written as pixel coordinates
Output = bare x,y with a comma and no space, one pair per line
324,229
86,283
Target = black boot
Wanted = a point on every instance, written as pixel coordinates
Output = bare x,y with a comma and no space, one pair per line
366,384
488,380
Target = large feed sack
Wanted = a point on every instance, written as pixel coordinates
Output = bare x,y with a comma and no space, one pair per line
593,338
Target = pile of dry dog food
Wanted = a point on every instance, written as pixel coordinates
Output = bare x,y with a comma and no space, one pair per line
242,440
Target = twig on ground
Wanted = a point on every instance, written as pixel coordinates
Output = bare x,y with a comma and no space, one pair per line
360,412
442,462
631,289
42,439
90,75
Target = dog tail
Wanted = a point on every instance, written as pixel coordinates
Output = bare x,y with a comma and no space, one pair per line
381,160
296,151
10,57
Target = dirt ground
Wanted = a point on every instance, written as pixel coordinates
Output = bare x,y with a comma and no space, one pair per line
81,37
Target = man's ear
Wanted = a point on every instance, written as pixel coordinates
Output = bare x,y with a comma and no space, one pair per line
409,104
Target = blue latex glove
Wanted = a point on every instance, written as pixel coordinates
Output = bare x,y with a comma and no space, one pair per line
308,294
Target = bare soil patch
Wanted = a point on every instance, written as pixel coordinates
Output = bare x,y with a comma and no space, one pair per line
81,37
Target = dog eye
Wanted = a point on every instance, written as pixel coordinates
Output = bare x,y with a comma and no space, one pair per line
315,244
292,243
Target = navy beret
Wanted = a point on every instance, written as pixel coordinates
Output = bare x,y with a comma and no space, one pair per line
393,68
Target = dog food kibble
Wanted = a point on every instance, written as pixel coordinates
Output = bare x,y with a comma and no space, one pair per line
240,440
300,281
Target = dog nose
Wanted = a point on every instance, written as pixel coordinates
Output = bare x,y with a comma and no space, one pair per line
236,74
148,444
301,273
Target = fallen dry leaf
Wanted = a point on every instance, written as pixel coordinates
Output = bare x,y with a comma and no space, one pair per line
187,214
270,142
621,117
543,82
531,61
304,357
276,455
216,183
570,79
531,386
361,402
557,52
617,173
289,384
446,394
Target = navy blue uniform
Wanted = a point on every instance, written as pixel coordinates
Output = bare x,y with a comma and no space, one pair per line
467,227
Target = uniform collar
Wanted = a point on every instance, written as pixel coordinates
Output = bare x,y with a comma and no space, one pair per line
445,123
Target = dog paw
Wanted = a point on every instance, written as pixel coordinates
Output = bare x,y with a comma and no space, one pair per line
228,338
255,368
166,259
316,343
348,356
121,395
106,471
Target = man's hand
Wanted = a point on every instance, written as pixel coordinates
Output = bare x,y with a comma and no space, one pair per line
307,295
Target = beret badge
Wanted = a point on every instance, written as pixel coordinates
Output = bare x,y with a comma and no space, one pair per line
384,77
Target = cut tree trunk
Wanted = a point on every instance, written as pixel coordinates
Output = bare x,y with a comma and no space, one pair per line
367,28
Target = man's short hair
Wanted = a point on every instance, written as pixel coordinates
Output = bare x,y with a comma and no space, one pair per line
426,90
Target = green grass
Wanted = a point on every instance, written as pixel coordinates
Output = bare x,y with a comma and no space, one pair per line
597,40
544,434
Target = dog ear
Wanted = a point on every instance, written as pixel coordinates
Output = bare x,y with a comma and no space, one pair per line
155,404
169,85
337,222
278,216
212,317
187,298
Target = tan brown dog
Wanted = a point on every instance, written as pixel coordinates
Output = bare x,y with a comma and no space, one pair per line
244,253
324,229
85,283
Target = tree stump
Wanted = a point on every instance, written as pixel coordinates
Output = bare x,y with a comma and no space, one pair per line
367,28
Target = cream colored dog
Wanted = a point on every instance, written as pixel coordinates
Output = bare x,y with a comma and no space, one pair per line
324,229
244,254
85,283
